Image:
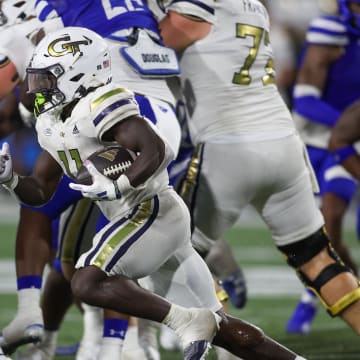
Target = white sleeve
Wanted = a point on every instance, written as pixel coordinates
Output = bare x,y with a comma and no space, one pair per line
108,108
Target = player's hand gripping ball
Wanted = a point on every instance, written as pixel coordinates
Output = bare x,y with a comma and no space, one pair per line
111,162
101,175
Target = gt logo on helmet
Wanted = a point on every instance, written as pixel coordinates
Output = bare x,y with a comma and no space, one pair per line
59,48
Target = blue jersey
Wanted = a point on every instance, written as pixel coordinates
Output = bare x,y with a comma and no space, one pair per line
102,16
342,88
343,80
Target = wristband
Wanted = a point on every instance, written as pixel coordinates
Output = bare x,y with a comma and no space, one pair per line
340,155
11,184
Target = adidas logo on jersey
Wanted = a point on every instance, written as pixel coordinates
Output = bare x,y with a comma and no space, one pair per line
75,130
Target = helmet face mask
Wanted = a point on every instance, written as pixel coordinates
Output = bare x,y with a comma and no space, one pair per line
350,18
65,64
43,84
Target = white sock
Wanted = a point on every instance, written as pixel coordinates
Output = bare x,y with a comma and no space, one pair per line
93,324
50,341
175,317
28,299
110,348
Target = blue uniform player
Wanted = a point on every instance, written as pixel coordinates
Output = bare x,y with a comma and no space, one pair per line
328,82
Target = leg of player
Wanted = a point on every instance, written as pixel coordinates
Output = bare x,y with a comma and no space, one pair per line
92,331
224,267
196,327
334,209
54,308
32,253
114,332
132,349
338,193
320,268
148,338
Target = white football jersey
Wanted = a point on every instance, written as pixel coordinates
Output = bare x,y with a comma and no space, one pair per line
71,141
228,78
202,9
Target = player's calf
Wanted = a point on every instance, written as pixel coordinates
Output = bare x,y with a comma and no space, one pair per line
321,270
249,342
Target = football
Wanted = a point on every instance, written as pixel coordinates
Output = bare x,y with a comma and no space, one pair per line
110,161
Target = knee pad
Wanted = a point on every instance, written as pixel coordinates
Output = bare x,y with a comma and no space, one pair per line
302,251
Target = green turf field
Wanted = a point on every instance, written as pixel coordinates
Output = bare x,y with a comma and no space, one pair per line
329,338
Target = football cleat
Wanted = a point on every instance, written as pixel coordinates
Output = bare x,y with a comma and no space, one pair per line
197,350
3,356
32,352
197,331
17,334
302,318
235,287
45,350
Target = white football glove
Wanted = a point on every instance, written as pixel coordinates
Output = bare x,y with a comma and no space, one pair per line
102,187
6,167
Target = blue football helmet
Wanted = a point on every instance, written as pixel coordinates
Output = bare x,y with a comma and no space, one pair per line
351,20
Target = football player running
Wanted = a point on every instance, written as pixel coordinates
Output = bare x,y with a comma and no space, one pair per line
239,115
74,88
104,19
322,92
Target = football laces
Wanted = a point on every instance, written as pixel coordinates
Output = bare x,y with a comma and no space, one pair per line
117,168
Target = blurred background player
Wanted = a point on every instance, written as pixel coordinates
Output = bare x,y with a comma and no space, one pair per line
248,135
344,135
328,82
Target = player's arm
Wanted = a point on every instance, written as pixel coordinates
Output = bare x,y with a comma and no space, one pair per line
343,135
181,30
36,189
138,135
312,77
9,115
